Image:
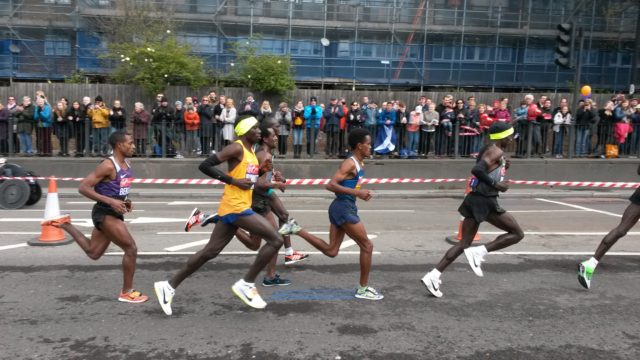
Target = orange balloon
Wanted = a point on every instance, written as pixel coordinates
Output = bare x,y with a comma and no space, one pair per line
586,90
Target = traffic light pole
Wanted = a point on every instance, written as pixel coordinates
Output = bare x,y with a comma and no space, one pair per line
578,67
576,87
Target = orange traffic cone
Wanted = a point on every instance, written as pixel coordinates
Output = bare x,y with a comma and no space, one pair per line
51,235
459,234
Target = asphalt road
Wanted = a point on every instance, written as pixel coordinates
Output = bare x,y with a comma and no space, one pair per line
58,304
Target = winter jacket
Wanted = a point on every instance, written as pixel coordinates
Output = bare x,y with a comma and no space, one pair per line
42,116
191,121
313,113
140,122
99,117
24,119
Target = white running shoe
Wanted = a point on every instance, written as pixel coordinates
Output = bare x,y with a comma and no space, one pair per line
432,284
291,227
475,260
248,294
165,293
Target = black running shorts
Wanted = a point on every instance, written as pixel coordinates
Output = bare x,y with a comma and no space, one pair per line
260,204
635,198
479,207
100,211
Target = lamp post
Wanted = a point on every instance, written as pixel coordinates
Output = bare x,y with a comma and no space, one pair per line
15,50
325,42
387,76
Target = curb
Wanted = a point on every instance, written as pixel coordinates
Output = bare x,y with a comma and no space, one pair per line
380,194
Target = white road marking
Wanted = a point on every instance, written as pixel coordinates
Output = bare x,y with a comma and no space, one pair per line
562,253
348,243
344,245
359,210
61,211
543,211
143,253
8,247
34,220
559,233
579,207
174,203
134,202
154,220
209,232
19,233
187,245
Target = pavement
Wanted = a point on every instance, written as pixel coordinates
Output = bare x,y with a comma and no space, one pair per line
58,304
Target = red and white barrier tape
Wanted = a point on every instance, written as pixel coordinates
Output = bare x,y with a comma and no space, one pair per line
215,182
598,184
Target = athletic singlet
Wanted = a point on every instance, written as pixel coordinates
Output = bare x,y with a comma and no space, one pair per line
496,175
353,183
268,177
235,200
119,187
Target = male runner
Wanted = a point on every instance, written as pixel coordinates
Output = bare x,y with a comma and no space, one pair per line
480,205
109,186
234,212
291,256
630,217
343,213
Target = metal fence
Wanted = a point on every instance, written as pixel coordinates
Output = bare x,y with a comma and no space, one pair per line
169,136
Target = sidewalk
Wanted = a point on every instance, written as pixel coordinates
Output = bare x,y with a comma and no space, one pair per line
208,193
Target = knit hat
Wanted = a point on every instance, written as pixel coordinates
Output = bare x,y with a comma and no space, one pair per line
418,109
178,103
500,130
98,98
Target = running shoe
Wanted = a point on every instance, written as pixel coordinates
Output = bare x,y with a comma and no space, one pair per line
475,260
164,293
585,273
57,221
133,296
248,294
368,293
291,227
432,284
209,219
275,281
193,219
295,257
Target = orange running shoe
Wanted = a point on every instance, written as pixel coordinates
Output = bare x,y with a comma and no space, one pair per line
57,221
133,296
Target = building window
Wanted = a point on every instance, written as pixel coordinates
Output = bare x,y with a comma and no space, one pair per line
442,53
538,56
201,43
475,53
54,46
591,58
60,2
344,49
305,48
503,54
619,59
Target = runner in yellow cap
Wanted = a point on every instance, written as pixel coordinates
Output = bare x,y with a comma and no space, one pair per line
480,205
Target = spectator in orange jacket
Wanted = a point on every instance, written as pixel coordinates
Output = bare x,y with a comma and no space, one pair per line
191,125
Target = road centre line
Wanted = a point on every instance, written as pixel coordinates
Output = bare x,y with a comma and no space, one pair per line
579,207
151,253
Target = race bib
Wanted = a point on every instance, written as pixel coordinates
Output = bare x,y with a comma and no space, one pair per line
125,185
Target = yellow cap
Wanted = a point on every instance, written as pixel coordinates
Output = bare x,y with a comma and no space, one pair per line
245,125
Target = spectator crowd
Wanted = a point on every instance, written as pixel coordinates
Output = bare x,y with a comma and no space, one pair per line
199,126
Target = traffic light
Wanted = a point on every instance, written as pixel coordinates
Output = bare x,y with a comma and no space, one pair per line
563,45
